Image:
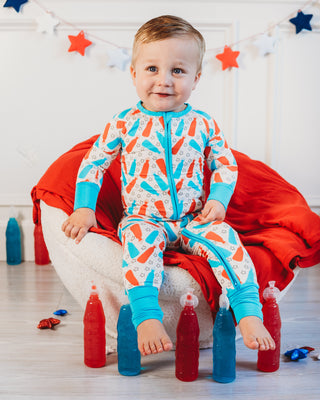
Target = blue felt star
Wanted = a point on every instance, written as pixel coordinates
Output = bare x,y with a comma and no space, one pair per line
296,354
16,4
302,21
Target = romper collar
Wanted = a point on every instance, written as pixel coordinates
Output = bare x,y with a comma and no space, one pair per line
166,114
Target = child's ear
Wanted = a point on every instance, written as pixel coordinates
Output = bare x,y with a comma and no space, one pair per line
133,74
196,80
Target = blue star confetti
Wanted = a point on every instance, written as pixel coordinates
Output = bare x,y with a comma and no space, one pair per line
60,312
302,21
298,354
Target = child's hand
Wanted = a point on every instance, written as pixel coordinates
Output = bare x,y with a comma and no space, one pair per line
78,224
213,210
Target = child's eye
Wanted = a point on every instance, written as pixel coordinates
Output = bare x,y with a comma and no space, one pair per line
177,71
152,68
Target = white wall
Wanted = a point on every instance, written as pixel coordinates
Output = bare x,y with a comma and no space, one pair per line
51,99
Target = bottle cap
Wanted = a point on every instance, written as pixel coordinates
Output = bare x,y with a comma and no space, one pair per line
223,299
13,213
189,299
94,290
271,292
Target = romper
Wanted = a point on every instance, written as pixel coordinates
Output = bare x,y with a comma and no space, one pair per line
162,190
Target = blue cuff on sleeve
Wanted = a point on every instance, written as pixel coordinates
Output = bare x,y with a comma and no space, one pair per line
221,192
86,195
144,304
245,301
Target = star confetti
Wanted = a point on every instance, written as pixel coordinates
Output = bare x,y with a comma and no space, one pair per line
16,4
47,23
302,21
265,44
79,43
48,323
298,354
61,312
228,58
118,58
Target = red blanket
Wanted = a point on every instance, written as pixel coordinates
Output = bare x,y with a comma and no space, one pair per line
274,221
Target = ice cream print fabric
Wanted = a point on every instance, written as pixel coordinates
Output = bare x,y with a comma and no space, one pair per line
162,175
144,241
162,161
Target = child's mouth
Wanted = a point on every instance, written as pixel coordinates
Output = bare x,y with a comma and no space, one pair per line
163,94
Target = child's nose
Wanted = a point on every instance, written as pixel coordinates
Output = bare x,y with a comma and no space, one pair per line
164,78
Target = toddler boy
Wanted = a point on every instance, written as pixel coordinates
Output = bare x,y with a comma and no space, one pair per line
164,144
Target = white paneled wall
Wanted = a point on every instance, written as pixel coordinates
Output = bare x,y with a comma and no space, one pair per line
51,99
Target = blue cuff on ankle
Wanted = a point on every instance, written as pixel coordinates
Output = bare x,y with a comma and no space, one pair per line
245,301
144,304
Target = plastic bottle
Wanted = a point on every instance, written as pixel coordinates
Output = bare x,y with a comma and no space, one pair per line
41,255
94,332
269,361
224,345
13,240
187,345
129,357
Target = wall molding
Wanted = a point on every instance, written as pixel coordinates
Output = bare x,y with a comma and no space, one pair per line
275,97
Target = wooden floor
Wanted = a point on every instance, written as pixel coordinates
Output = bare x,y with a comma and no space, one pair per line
48,364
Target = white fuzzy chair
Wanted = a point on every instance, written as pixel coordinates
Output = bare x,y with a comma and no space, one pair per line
99,259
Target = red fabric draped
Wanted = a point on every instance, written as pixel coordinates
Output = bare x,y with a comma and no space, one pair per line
272,218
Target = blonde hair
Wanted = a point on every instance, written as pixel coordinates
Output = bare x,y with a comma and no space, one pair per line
164,27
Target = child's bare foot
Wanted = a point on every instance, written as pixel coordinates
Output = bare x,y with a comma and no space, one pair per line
152,337
255,335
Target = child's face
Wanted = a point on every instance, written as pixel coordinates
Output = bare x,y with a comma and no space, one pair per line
165,72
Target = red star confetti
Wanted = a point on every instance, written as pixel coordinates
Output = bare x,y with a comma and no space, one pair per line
79,43
228,58
48,323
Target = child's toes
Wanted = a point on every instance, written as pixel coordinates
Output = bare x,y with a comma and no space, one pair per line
146,349
262,344
153,349
167,344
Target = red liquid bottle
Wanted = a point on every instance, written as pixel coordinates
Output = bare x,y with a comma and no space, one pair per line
94,332
187,345
268,361
41,255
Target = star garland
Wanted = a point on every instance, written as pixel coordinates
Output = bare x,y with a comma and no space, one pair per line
16,4
302,21
79,43
228,58
119,57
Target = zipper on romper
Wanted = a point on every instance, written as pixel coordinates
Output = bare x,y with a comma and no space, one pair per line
229,270
168,156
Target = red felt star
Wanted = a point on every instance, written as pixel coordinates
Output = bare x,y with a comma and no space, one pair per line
79,43
228,58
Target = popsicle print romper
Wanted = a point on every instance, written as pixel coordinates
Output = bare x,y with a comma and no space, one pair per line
162,174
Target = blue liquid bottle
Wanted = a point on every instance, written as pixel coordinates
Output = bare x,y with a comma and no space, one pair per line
129,357
224,345
13,241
